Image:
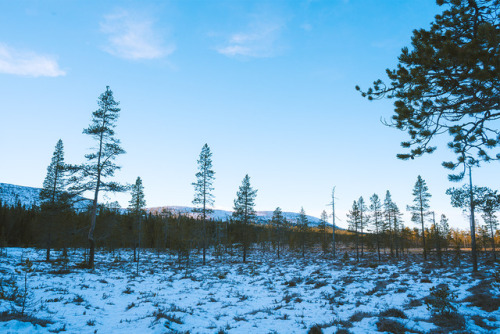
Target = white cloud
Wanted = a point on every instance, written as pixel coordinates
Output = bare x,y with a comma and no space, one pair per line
260,40
28,63
133,37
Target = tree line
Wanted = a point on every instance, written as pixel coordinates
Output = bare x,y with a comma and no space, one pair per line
375,226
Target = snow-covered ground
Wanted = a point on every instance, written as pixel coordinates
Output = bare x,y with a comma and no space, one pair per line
265,295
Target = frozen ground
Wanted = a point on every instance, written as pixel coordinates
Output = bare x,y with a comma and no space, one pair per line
266,295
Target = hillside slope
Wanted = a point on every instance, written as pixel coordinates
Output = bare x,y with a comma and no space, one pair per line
11,194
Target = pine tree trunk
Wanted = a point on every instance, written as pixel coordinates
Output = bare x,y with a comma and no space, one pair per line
472,225
493,243
423,230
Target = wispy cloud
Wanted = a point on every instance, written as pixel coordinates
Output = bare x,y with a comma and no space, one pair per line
260,40
133,37
28,63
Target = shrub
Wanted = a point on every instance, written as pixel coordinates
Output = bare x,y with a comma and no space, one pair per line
128,290
161,314
391,326
316,329
358,316
393,313
441,299
415,303
450,321
8,316
482,297
478,320
342,331
320,284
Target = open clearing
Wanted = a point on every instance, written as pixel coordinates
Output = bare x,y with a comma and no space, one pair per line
265,295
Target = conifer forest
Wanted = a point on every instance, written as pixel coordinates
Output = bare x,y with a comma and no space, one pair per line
72,261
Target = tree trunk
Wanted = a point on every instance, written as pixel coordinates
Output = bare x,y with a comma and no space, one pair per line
493,243
472,225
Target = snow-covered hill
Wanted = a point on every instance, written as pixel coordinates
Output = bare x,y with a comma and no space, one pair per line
262,216
11,194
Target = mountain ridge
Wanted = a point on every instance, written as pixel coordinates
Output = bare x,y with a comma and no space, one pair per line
12,194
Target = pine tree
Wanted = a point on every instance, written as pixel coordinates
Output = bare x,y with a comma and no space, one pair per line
396,227
353,220
203,197
137,202
277,222
322,227
444,227
333,222
376,209
468,197
303,228
448,83
100,163
420,206
136,207
244,212
490,204
364,218
53,197
388,219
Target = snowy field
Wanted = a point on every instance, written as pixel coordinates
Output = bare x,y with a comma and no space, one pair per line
265,295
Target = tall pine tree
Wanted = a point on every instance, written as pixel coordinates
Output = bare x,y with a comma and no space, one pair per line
377,219
278,222
364,218
100,163
136,207
353,220
203,197
322,227
420,207
303,228
244,212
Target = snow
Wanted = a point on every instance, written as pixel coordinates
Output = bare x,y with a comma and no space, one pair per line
265,295
11,195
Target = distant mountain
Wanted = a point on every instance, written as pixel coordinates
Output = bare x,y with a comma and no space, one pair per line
262,216
11,194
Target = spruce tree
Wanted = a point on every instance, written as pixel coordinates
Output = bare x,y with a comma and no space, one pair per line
396,227
303,228
353,221
490,204
203,197
364,218
244,212
420,207
322,227
444,227
388,219
376,209
136,207
278,222
100,163
53,197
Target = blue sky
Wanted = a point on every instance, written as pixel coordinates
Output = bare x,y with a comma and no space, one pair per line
269,85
